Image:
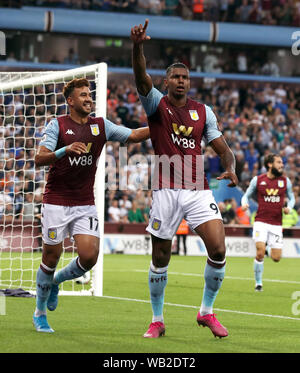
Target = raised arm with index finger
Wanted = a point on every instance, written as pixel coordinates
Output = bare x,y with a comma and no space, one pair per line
143,80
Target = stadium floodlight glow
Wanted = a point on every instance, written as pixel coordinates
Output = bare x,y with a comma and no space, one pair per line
29,99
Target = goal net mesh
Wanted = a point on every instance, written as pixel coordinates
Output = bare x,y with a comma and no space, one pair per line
28,100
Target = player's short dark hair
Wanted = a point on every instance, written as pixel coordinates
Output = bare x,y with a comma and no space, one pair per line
270,159
75,83
176,65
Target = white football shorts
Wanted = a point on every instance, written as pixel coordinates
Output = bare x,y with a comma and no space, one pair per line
270,234
170,206
59,222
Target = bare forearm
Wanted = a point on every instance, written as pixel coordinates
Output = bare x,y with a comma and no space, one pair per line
139,135
142,79
228,160
138,60
45,159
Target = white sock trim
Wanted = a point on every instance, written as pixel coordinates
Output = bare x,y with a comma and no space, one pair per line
80,266
157,269
217,262
158,318
48,268
38,312
256,261
205,310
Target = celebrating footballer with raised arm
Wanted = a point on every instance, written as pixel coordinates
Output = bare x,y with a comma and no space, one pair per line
71,146
177,125
270,189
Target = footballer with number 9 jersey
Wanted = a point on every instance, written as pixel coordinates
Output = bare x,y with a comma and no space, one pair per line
71,147
177,126
270,189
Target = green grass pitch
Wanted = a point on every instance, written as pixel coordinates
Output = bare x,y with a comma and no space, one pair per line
266,322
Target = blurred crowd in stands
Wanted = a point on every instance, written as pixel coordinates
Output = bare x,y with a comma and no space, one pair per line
267,12
234,61
256,118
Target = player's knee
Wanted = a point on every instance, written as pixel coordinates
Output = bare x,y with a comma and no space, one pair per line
276,259
50,259
260,256
160,259
218,254
89,260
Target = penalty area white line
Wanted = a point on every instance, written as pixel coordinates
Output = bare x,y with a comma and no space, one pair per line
197,307
226,277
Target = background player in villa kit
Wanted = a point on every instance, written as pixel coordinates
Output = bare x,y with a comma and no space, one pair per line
71,146
177,125
270,189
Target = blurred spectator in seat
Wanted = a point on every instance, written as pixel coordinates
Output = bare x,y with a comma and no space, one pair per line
242,63
255,12
287,13
37,219
146,211
123,215
156,7
231,14
270,68
181,234
11,57
27,213
5,200
119,5
122,111
142,6
170,7
242,216
114,212
245,176
72,58
135,214
140,199
214,162
125,202
240,162
228,214
251,156
244,11
185,9
291,219
198,9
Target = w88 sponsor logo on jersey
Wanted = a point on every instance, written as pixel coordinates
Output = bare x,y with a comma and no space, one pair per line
184,142
85,160
273,199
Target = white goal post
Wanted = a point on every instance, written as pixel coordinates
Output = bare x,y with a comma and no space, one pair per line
27,101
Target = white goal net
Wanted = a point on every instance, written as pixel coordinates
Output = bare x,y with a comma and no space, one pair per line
27,101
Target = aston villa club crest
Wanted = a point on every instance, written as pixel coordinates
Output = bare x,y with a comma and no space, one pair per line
52,233
280,183
95,129
156,224
194,114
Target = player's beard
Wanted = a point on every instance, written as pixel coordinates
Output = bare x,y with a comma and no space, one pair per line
275,172
82,112
179,95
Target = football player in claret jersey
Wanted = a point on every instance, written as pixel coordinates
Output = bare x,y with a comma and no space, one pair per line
71,147
270,189
177,125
